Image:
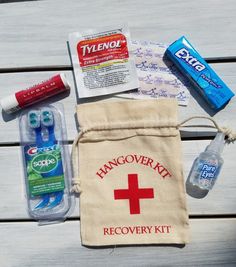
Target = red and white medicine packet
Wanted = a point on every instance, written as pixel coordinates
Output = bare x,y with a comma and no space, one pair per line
102,62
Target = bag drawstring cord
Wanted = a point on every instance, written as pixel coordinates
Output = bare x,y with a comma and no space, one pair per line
76,188
226,130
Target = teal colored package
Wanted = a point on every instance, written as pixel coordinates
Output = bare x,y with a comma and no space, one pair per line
192,65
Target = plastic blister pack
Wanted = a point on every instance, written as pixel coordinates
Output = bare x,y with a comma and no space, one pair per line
46,162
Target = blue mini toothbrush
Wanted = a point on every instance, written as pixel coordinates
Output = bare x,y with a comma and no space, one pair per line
34,123
47,120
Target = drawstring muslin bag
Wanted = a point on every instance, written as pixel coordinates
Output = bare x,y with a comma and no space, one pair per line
128,169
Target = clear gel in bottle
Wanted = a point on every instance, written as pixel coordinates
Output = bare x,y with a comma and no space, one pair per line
207,166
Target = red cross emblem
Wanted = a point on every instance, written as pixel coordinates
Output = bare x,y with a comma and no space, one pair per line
133,194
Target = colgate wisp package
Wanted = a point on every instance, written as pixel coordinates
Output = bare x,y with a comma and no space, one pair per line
102,62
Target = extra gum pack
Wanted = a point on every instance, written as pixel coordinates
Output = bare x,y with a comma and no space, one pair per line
192,65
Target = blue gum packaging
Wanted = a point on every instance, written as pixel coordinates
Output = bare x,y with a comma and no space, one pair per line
192,65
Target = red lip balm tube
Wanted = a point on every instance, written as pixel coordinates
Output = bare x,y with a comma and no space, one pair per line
55,85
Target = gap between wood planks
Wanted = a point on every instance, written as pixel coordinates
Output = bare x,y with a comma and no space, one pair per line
214,60
191,217
13,1
70,142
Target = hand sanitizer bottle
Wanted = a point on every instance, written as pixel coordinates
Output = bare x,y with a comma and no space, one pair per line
207,166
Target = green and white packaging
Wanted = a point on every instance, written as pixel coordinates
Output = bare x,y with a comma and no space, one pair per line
46,161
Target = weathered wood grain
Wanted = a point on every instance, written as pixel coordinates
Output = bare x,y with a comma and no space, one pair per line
221,200
26,244
35,33
12,82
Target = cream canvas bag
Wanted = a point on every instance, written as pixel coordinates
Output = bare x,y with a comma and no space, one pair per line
130,174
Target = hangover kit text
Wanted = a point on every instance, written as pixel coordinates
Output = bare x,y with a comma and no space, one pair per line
133,159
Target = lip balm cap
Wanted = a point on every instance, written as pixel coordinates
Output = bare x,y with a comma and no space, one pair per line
65,81
9,103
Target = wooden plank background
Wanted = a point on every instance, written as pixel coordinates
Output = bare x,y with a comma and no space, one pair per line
36,32
33,47
213,244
